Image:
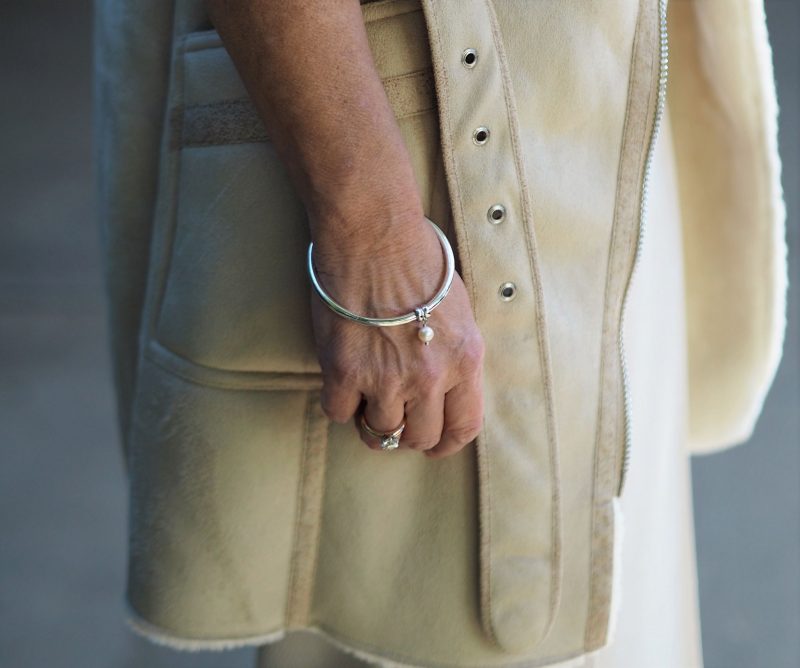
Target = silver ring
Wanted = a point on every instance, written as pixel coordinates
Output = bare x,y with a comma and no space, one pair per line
389,440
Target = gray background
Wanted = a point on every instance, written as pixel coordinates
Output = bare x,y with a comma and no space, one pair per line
62,503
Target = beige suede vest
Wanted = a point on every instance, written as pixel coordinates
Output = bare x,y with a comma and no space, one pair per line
251,514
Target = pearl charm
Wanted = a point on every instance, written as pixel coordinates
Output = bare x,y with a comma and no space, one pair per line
425,334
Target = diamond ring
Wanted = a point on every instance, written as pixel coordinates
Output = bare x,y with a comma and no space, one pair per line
389,440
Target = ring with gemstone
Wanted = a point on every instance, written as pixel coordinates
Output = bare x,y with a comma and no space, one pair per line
389,440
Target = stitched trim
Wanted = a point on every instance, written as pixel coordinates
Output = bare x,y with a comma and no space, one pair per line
318,461
616,579
622,252
544,353
620,238
452,168
307,518
485,515
169,179
291,604
162,213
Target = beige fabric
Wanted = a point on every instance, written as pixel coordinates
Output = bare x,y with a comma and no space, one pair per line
657,623
251,515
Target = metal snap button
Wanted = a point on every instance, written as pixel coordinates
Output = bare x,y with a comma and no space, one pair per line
496,214
469,58
481,135
508,291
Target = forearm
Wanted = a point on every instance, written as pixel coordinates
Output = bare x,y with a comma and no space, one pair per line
309,70
308,67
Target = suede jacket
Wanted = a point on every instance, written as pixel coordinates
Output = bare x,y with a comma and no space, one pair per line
250,513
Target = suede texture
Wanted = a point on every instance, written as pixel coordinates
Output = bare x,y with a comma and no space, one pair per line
250,513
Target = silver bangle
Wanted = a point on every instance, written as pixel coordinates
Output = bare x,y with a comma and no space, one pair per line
420,314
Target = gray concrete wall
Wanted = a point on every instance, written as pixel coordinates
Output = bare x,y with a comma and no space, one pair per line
62,492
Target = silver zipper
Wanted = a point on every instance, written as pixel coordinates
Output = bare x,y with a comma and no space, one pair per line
662,90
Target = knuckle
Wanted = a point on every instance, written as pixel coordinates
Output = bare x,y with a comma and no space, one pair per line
448,450
326,402
334,413
331,405
387,386
430,372
421,444
472,353
464,433
341,371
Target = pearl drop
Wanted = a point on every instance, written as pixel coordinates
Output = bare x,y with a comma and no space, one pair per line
425,333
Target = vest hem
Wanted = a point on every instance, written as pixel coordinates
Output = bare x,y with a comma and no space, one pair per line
158,635
161,636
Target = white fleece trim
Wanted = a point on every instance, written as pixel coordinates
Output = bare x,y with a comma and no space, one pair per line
768,101
780,278
159,636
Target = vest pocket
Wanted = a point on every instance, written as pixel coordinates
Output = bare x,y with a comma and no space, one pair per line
229,297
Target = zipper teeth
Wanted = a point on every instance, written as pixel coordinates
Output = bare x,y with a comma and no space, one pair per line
662,89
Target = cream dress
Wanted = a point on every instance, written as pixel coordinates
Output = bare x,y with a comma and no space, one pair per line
656,622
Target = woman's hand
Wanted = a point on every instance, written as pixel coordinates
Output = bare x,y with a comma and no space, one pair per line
436,388
309,71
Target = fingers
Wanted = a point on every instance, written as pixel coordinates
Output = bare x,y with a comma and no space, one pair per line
463,417
384,414
424,421
339,400
436,423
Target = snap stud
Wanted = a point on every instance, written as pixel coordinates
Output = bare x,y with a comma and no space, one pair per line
496,214
508,291
469,58
481,135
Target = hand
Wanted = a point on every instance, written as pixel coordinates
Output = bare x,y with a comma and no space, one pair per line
332,125
436,388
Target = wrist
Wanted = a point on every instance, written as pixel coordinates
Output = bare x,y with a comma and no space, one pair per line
386,273
353,227
420,312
